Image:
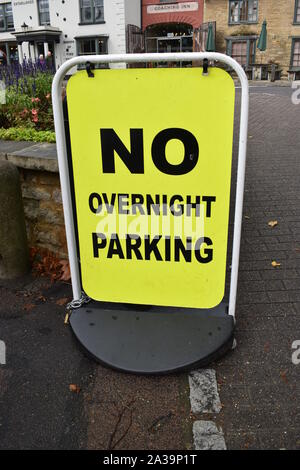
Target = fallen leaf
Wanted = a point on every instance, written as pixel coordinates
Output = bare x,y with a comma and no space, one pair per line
273,223
283,376
62,301
28,307
275,264
65,270
74,388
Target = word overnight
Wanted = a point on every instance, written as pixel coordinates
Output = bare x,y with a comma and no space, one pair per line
134,204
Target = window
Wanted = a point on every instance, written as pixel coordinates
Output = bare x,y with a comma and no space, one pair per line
297,12
242,50
243,11
6,17
44,12
295,62
91,11
92,46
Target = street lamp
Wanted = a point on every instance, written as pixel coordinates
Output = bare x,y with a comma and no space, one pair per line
24,27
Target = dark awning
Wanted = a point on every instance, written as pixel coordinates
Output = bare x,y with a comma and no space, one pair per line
38,35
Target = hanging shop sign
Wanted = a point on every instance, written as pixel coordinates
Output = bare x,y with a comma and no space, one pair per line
173,8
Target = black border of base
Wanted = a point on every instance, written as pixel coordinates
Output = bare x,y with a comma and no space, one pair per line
153,340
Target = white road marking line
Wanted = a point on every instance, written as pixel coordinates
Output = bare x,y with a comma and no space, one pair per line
207,436
264,86
262,93
204,394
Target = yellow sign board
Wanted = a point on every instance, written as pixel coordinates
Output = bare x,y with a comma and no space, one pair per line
151,152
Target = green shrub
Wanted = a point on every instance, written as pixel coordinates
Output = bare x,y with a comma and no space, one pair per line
27,134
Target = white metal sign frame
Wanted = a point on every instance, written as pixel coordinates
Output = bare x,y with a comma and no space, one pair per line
63,159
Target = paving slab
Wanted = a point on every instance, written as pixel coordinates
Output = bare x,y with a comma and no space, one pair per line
204,394
207,436
8,146
30,155
39,150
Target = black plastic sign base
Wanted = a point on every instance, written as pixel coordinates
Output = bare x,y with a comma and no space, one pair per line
153,340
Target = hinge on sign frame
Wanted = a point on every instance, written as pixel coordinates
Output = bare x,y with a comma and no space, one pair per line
205,67
89,69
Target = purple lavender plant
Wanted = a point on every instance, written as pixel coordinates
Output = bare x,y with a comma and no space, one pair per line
15,73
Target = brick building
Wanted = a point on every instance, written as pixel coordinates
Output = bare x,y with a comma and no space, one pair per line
169,25
238,25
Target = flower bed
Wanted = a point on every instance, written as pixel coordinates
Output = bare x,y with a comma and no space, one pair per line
28,99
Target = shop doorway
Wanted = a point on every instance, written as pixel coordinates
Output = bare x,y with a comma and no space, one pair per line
40,49
170,37
168,45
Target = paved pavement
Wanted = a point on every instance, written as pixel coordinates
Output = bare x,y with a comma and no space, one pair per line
111,410
258,384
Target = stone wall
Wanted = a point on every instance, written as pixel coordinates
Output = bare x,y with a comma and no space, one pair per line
280,19
38,168
44,211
